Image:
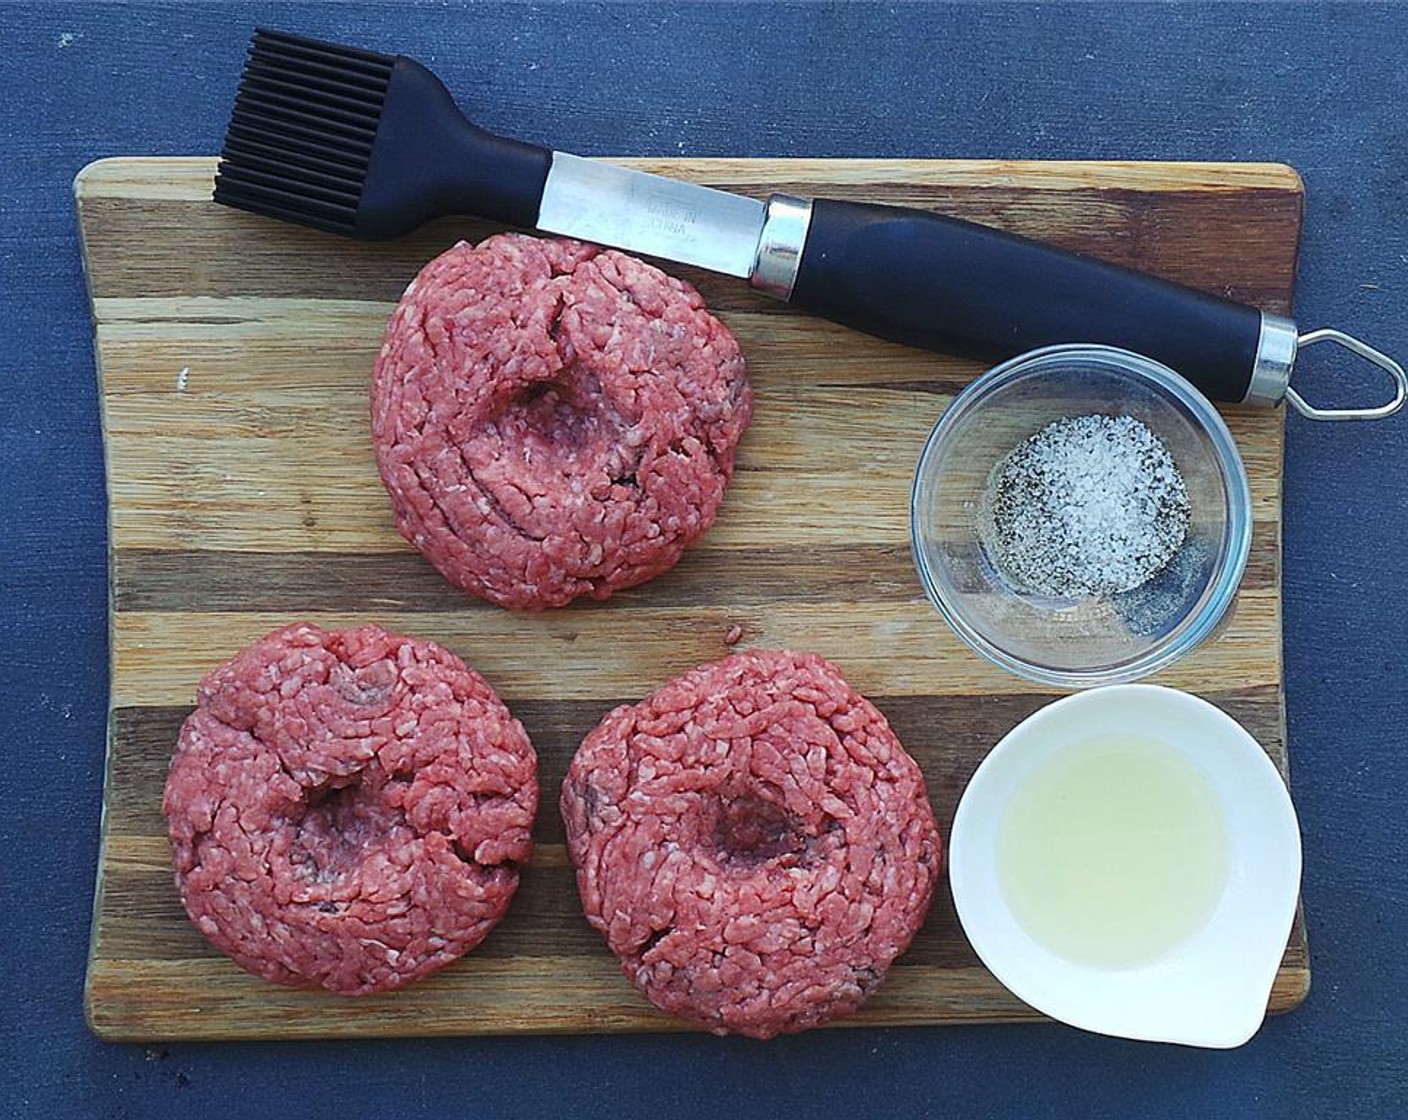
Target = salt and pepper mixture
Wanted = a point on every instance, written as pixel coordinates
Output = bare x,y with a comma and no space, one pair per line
1089,505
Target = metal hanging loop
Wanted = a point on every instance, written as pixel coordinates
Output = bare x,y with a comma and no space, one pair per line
1364,350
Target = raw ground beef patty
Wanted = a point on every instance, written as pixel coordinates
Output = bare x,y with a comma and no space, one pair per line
753,841
348,809
553,420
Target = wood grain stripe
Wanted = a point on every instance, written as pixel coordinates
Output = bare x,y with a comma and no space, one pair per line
404,582
1199,237
189,177
592,650
947,735
544,920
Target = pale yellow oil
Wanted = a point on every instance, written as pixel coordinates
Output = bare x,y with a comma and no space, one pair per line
1113,852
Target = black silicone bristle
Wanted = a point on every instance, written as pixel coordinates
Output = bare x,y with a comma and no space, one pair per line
366,145
301,133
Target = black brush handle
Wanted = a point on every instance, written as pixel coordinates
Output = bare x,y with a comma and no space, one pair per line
953,286
429,160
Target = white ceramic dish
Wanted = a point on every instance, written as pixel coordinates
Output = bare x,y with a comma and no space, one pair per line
1211,989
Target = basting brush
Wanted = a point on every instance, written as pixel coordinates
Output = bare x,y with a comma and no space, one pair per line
371,146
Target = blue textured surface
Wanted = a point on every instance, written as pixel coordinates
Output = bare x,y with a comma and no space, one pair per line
1322,88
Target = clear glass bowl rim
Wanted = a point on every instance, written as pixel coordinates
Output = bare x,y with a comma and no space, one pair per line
1236,543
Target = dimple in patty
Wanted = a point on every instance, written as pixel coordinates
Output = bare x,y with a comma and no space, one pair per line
753,830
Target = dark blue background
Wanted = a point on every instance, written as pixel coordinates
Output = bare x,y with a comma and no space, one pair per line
1322,88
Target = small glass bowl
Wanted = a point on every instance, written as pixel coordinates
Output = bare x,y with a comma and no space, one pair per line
1078,643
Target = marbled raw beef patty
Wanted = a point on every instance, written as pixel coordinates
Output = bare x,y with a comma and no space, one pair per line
348,809
753,841
554,420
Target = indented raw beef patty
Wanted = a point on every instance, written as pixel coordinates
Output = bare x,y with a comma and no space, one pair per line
554,420
348,809
753,841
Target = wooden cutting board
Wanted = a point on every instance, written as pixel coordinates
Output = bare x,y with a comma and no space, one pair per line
234,356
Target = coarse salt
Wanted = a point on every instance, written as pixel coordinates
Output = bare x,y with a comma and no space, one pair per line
1088,506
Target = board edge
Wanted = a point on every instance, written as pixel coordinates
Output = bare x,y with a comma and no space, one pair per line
114,176
91,1015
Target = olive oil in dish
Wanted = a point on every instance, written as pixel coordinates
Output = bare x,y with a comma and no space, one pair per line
1113,851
